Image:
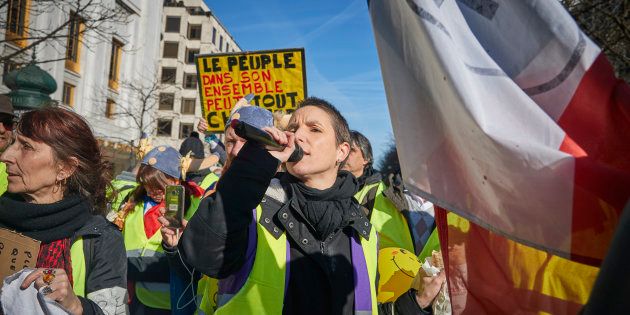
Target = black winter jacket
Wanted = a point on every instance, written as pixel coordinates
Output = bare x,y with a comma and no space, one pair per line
320,272
104,252
106,268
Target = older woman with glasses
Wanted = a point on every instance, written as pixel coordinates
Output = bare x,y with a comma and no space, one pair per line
56,194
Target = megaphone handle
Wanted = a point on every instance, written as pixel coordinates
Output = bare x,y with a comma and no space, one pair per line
297,154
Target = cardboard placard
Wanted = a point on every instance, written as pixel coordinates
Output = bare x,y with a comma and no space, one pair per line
16,252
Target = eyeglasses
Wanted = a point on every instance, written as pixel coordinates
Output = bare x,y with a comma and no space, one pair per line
7,122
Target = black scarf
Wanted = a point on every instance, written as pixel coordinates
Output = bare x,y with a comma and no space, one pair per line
325,210
44,222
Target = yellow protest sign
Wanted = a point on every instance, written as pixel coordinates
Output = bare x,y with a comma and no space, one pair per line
277,78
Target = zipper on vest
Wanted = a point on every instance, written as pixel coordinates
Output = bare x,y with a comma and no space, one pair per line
322,245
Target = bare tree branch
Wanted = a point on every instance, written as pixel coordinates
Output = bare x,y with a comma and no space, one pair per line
99,23
141,109
608,24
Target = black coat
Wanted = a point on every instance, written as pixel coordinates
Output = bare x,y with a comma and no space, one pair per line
320,272
106,267
103,250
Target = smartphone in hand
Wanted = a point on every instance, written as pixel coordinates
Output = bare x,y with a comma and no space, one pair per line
175,205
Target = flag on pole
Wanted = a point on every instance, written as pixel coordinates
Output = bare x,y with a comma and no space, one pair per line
506,114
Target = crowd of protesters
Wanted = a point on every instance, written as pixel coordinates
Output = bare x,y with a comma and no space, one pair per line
260,234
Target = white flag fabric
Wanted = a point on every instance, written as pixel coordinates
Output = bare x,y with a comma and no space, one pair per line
485,102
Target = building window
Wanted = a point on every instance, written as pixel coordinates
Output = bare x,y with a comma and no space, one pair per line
194,31
185,130
172,24
170,50
166,101
190,81
17,20
214,35
190,55
220,42
114,64
68,94
73,46
227,47
168,75
164,127
110,108
188,106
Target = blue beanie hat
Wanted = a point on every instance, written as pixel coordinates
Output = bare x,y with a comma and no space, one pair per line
165,159
253,115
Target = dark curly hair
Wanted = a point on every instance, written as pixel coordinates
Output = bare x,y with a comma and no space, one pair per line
70,136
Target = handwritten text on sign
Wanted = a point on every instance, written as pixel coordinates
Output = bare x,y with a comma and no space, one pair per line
16,252
276,78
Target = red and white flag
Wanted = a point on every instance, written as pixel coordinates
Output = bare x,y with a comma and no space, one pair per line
507,114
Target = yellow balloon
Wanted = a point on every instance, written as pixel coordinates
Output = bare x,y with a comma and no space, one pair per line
397,268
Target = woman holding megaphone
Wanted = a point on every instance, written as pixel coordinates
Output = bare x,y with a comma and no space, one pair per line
295,243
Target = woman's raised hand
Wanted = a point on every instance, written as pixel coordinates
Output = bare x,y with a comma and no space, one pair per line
285,138
202,126
171,235
431,288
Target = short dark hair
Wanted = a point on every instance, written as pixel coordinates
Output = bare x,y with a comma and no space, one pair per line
360,141
342,131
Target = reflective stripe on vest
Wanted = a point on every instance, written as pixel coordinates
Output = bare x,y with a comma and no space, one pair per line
77,257
152,294
266,280
208,180
154,286
224,298
390,224
144,252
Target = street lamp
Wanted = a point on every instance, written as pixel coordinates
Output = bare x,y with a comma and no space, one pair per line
30,87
